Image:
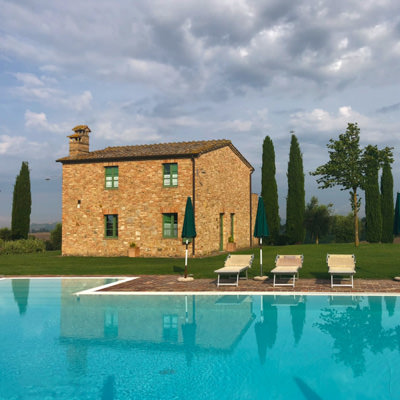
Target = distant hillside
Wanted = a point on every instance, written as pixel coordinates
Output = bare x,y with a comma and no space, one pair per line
43,227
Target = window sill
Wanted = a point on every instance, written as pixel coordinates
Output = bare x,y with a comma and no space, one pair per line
110,237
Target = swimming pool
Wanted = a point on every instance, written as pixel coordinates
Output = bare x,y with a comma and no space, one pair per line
56,345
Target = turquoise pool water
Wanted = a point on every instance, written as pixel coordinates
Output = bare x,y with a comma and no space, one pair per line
54,345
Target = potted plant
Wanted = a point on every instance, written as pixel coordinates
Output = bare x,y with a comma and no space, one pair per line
231,246
133,251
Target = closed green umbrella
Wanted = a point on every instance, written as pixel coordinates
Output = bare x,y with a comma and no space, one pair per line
188,229
261,226
396,227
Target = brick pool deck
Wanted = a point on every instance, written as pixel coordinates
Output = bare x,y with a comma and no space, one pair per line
169,283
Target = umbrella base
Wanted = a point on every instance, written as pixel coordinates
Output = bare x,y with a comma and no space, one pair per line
260,278
183,279
396,278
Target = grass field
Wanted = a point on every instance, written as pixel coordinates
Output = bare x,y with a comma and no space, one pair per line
373,261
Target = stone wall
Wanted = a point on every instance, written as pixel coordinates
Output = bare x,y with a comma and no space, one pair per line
222,187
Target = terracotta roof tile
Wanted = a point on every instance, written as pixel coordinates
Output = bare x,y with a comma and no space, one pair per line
152,150
159,150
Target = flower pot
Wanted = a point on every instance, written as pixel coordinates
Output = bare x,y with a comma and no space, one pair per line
134,252
231,246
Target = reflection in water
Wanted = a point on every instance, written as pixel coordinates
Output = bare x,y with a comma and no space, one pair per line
77,358
298,314
355,330
191,347
185,324
189,331
308,393
390,302
108,390
20,289
267,328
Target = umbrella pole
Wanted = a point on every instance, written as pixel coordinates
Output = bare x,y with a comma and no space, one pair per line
186,257
186,309
261,257
262,309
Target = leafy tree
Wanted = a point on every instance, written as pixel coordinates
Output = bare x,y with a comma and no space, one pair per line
269,189
22,203
295,202
344,168
317,219
387,205
373,213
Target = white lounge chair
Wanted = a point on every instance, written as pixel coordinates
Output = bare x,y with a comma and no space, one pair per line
288,265
234,265
341,265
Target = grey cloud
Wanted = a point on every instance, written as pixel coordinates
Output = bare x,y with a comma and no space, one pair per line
389,109
197,40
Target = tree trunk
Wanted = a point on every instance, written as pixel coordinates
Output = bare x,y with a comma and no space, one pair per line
317,240
356,239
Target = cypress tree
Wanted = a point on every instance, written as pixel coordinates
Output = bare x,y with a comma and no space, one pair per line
295,202
269,189
373,213
22,202
387,205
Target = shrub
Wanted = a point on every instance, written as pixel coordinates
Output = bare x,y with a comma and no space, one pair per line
22,246
5,234
343,228
56,237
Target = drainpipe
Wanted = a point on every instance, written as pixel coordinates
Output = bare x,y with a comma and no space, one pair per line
193,197
251,213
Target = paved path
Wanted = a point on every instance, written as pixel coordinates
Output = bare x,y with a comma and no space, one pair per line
169,283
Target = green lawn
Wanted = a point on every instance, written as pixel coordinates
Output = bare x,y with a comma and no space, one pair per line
373,261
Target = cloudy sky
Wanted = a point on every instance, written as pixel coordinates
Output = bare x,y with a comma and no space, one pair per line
149,71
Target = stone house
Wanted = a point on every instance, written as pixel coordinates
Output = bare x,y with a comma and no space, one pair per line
124,194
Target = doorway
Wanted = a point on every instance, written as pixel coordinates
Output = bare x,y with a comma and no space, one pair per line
221,232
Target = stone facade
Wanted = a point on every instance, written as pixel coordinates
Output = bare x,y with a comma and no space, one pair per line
220,190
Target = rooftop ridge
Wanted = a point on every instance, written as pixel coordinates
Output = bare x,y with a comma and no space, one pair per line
217,141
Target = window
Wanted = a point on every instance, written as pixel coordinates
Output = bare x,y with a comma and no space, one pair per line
232,226
170,225
170,175
111,226
111,177
170,328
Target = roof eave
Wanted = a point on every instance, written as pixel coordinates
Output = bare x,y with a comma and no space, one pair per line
66,160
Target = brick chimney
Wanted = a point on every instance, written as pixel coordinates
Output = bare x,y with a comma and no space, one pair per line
79,141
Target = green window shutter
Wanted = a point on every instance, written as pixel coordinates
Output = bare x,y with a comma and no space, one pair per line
167,175
170,174
170,225
115,176
111,226
233,226
174,174
111,174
